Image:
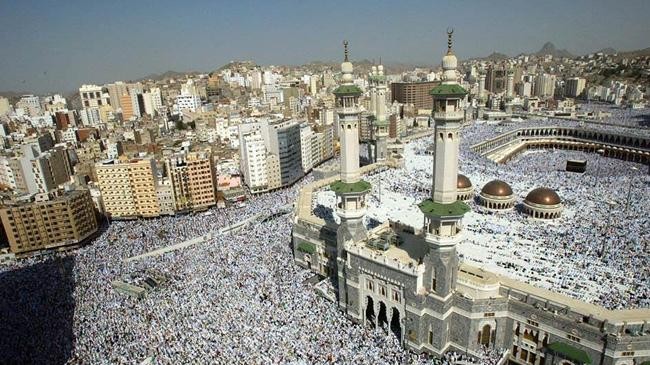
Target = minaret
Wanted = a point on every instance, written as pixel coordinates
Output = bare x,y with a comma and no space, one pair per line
372,110
442,212
510,83
373,91
481,84
381,122
350,189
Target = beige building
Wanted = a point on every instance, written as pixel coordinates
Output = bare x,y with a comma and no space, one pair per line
128,188
49,221
193,180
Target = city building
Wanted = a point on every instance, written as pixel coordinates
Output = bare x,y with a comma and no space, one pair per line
128,188
544,85
93,96
126,105
575,86
115,92
192,177
413,93
47,221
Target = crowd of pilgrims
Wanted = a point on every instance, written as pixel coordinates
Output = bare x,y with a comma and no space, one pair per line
236,299
597,252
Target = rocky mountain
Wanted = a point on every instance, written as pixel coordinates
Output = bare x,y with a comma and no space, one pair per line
549,49
167,75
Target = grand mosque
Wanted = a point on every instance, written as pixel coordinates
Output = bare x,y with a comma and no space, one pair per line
409,279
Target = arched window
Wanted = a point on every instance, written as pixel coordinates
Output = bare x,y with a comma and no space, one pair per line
485,335
450,136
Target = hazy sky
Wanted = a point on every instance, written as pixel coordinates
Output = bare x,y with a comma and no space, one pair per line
56,46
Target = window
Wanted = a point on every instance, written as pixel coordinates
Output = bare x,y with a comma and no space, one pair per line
396,296
573,338
430,338
369,285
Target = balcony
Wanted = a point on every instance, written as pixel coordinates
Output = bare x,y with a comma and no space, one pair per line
455,115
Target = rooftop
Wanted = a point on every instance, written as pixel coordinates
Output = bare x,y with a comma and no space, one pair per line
455,209
345,90
341,187
448,90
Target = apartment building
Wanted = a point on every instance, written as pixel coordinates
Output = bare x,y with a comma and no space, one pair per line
46,221
128,188
193,180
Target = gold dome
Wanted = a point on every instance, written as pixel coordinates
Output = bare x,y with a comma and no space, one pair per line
497,188
463,182
543,196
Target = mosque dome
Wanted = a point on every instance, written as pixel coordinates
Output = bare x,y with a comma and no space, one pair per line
463,182
543,196
497,188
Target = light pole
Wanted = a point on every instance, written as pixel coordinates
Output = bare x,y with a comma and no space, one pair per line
629,191
601,153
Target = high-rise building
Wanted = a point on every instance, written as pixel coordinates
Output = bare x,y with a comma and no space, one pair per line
5,107
306,145
51,169
50,221
115,92
128,188
496,79
127,107
192,177
156,99
575,86
414,93
188,102
284,142
253,158
93,96
544,85
31,104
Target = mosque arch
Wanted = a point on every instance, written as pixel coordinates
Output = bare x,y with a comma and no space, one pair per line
396,324
370,312
382,318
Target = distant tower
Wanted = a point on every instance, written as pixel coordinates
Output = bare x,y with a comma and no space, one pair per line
372,110
510,83
373,91
350,190
381,122
442,212
481,84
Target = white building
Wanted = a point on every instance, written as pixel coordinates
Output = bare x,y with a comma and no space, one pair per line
90,116
253,158
188,102
92,96
156,99
306,151
148,104
5,107
544,85
30,104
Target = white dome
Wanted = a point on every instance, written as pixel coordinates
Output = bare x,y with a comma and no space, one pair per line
374,70
380,69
